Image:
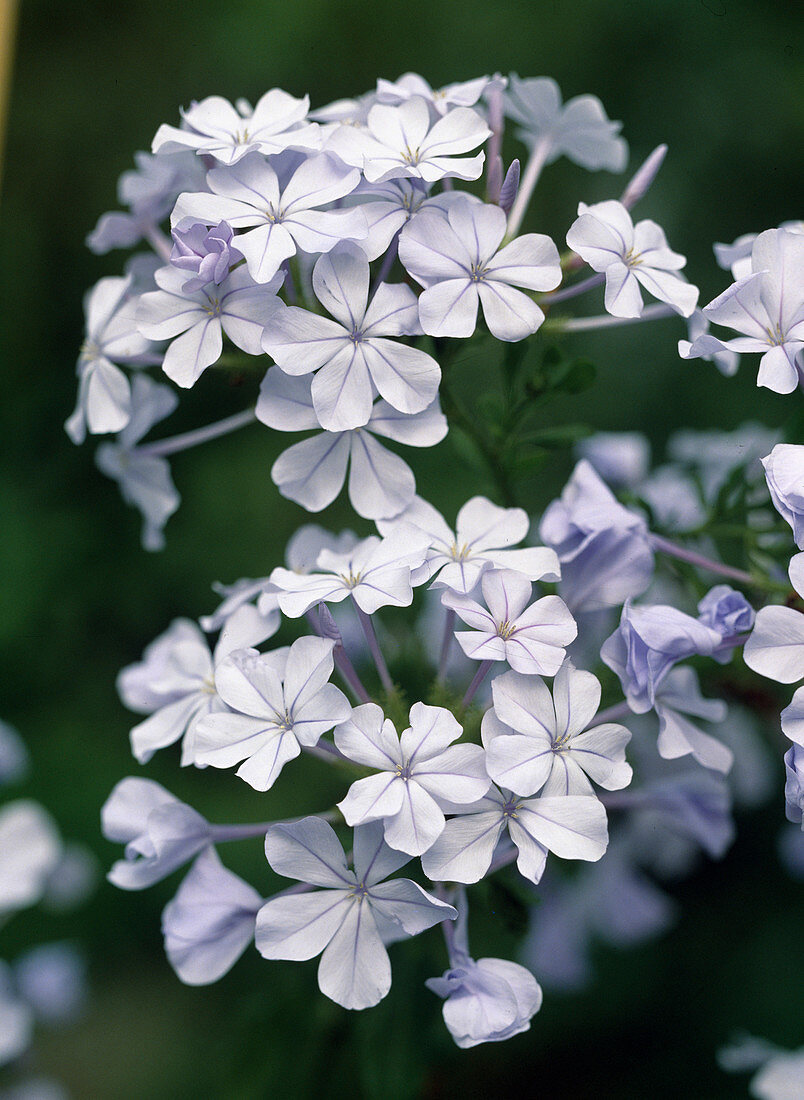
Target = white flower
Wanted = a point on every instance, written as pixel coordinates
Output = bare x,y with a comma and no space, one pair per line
210,922
351,355
677,696
579,129
376,573
607,239
280,704
483,537
530,636
312,472
767,307
456,256
534,740
144,478
215,127
175,683
485,1001
388,206
441,100
418,773
104,393
350,917
571,826
703,346
784,473
284,220
195,321
160,832
776,646
402,142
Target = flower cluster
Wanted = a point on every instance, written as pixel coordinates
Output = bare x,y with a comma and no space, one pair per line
338,256
333,251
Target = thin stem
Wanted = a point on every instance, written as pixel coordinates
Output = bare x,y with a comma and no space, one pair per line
605,320
341,658
693,558
347,670
387,263
161,244
496,124
221,833
643,177
479,677
446,643
199,435
330,753
457,415
325,751
574,290
613,714
374,648
527,185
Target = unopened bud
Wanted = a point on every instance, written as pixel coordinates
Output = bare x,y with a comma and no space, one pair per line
327,627
643,177
510,186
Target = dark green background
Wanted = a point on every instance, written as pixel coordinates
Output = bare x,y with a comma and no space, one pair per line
720,82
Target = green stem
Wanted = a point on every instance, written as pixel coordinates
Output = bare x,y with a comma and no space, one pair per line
457,415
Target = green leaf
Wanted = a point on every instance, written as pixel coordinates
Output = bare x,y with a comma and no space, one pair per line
465,448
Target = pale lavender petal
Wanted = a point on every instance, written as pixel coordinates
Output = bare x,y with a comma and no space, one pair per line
381,484
310,851
300,926
776,646
355,970
407,904
313,471
418,823
449,308
464,851
510,314
372,799
369,738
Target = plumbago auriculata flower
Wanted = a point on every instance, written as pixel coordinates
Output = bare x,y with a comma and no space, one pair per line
450,667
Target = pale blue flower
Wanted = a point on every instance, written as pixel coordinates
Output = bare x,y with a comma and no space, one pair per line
354,914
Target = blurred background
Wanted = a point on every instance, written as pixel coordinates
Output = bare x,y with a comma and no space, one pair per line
720,81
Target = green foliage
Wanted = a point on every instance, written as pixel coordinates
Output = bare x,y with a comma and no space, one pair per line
500,430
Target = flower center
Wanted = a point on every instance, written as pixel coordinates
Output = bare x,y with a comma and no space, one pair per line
775,336
632,259
476,273
91,350
505,629
403,771
510,808
562,743
350,579
460,554
410,157
213,309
